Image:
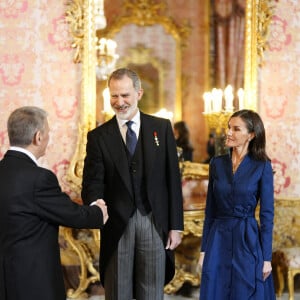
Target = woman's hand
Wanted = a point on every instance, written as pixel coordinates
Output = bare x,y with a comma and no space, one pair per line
200,261
267,269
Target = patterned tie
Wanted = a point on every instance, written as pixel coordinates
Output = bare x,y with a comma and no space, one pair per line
130,138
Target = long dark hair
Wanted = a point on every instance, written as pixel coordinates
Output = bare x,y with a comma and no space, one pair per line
183,139
257,146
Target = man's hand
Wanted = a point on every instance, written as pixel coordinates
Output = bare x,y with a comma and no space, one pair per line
174,239
101,203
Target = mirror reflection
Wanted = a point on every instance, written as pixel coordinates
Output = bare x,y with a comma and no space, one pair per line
143,47
151,44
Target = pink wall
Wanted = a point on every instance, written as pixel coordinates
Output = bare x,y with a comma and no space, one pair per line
279,97
36,68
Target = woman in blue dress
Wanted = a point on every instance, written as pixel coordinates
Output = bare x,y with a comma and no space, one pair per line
236,250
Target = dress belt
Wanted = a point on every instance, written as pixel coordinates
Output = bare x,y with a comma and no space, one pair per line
247,244
237,212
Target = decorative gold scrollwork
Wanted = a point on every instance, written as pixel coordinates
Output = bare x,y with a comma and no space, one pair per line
264,17
80,16
147,13
75,18
88,273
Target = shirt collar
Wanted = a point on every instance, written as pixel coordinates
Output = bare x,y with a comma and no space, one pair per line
23,150
136,119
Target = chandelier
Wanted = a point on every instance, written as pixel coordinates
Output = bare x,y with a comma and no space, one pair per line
218,108
105,48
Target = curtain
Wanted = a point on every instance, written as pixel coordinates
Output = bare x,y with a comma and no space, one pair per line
228,36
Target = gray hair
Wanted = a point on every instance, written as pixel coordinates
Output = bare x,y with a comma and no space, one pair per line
24,123
122,72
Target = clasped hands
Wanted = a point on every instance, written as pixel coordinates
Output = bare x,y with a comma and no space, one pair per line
102,205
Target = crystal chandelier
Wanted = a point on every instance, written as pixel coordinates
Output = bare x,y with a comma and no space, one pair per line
105,48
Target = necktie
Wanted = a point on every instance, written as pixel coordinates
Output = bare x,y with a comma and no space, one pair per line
131,139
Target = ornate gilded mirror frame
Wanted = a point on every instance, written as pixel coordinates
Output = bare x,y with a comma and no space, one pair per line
80,15
145,13
258,18
140,55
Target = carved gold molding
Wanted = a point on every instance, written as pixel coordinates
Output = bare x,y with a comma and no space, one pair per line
80,16
88,273
148,13
145,13
141,55
75,18
250,77
264,17
191,170
87,55
258,17
142,13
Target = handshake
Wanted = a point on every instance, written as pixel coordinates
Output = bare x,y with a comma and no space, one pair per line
102,205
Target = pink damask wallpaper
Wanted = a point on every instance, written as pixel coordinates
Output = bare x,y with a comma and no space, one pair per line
279,97
36,68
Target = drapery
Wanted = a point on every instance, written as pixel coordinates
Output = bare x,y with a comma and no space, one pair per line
228,36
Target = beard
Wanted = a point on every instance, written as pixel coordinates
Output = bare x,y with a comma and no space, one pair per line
125,112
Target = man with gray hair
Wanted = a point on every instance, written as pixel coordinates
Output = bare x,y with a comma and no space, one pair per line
132,164
32,207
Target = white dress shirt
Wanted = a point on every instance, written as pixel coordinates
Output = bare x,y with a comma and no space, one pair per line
28,153
135,125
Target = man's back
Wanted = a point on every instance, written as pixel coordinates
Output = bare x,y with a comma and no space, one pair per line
29,251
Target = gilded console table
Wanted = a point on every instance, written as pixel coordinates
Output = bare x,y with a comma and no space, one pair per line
194,187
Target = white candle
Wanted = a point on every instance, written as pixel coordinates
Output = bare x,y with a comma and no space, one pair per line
111,47
207,102
106,101
241,94
102,45
228,94
217,100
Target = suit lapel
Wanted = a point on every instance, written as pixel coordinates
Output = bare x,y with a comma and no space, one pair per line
113,140
148,129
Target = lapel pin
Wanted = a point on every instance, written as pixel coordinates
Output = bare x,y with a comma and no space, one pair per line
156,141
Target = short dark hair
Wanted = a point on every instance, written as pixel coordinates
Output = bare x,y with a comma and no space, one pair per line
23,123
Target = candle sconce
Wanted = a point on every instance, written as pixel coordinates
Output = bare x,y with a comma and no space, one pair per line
217,117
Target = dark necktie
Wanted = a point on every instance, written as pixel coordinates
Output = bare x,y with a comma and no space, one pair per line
130,138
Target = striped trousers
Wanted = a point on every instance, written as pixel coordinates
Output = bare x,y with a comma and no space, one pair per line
137,269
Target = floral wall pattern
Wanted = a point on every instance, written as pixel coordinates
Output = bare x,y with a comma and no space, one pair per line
279,97
36,68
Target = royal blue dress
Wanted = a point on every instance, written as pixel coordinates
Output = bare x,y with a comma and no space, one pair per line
235,245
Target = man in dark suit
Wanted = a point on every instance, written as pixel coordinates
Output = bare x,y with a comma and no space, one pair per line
141,186
32,206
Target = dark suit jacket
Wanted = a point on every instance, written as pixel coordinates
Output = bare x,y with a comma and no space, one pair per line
32,206
106,175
